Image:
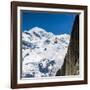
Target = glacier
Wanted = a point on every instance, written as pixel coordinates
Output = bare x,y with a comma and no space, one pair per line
43,52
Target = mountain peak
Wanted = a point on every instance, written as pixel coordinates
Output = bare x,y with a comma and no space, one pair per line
36,29
43,52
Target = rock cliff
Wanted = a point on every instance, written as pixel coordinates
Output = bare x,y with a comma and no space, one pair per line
71,62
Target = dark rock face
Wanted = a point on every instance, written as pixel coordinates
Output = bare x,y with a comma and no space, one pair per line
71,62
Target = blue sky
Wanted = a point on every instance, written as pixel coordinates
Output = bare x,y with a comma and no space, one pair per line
57,23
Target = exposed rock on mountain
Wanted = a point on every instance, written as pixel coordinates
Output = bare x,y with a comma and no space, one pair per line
71,62
43,52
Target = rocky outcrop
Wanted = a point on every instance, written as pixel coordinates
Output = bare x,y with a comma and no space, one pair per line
71,62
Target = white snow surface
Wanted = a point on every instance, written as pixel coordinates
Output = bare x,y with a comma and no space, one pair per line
43,52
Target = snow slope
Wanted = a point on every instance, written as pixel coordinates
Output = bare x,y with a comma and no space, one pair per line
42,52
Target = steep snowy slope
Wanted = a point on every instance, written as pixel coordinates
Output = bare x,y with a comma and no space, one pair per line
42,52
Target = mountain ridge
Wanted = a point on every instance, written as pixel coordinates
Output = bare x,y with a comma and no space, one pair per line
42,52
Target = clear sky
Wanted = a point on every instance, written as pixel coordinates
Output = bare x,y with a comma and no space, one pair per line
57,23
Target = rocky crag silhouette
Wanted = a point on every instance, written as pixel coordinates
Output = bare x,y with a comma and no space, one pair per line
71,62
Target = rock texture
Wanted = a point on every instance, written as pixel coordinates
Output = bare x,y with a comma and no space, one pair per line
71,63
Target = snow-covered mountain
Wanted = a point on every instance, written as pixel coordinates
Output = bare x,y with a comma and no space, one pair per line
43,52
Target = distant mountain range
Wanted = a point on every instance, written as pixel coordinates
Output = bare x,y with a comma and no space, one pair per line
43,52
